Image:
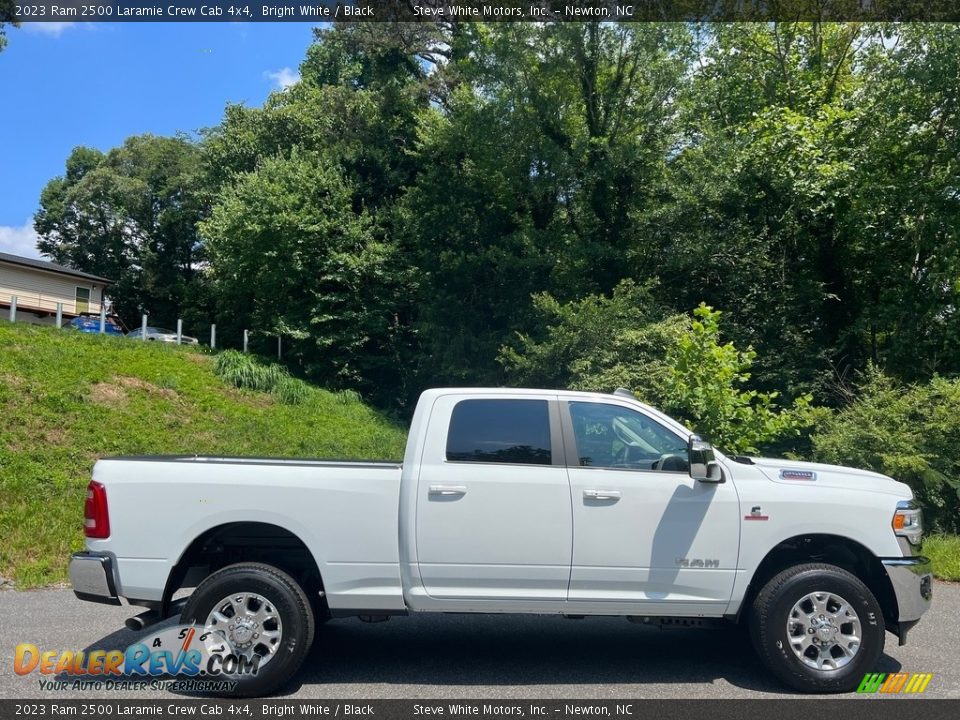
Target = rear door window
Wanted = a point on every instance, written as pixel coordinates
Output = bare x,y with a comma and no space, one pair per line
500,431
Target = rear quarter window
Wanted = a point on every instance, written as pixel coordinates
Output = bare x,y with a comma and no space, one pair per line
500,431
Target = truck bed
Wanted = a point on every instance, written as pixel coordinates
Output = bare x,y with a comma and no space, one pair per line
344,511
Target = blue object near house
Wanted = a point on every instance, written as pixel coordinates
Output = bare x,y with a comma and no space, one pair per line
88,324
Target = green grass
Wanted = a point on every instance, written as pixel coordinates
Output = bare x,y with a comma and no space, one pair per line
68,398
944,551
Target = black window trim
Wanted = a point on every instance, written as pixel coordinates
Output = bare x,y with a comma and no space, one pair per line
570,438
557,444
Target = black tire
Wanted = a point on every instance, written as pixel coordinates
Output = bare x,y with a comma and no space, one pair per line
291,603
772,609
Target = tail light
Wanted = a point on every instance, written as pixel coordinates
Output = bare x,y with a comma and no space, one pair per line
96,519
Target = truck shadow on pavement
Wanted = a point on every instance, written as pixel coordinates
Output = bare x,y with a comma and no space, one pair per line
505,650
425,655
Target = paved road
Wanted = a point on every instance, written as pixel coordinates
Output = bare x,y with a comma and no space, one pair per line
497,657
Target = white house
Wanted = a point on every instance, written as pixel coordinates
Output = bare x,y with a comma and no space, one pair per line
39,285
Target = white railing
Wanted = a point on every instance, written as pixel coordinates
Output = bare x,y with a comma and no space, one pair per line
32,301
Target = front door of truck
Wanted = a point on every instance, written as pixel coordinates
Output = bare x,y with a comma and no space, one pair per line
645,532
493,516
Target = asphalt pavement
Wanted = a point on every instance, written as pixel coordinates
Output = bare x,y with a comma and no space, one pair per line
486,656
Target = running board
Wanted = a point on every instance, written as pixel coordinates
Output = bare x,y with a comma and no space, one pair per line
678,622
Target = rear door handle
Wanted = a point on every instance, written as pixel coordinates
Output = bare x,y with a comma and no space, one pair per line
448,490
601,494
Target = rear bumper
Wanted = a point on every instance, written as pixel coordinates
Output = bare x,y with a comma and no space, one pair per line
912,582
91,575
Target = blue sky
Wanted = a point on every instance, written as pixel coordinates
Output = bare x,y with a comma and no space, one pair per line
65,84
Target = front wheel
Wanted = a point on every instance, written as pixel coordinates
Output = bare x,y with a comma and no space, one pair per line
262,616
818,628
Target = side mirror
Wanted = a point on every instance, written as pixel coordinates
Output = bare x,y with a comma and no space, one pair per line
703,463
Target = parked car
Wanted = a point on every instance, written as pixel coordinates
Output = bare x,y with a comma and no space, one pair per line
91,324
515,501
162,335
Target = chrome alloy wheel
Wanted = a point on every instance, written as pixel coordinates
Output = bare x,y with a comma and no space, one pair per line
249,624
824,631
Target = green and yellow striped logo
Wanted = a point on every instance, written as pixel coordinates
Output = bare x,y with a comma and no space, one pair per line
895,683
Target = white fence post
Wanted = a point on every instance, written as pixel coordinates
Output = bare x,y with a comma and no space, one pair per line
278,347
60,315
213,336
13,308
179,330
143,327
103,319
246,339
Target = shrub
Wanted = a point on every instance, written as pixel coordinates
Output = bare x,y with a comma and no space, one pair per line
672,361
705,387
911,433
291,391
596,343
246,372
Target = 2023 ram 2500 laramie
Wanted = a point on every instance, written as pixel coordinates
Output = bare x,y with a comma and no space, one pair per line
515,501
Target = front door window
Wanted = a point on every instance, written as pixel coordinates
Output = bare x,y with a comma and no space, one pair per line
611,436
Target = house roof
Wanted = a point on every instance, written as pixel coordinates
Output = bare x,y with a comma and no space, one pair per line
50,267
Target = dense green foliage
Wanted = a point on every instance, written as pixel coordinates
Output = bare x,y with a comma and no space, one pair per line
392,215
597,343
910,433
69,398
706,387
676,363
547,203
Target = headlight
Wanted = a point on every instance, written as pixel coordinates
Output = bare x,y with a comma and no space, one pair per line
908,521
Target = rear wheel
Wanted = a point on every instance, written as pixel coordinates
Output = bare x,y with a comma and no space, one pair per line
262,616
818,628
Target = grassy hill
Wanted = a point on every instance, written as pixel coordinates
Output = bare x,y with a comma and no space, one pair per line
67,399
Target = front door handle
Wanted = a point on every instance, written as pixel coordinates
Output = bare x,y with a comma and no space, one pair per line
448,490
601,494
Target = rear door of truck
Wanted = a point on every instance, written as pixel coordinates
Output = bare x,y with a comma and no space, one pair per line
493,513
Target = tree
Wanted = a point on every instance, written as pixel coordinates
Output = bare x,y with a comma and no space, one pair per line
6,16
530,170
290,257
130,215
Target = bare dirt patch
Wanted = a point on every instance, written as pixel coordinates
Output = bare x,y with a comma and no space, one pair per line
55,436
250,398
11,380
107,394
132,383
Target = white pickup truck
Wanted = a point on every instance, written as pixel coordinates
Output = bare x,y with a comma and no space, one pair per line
515,501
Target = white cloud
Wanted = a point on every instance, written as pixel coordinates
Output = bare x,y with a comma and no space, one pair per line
19,240
283,78
53,29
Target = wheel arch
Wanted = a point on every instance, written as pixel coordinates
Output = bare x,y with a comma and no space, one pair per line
239,541
837,550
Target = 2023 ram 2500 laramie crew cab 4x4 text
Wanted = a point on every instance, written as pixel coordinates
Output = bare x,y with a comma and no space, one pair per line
515,501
